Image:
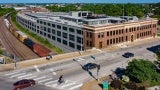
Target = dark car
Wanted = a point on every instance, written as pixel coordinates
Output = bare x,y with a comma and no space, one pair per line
89,66
23,84
128,55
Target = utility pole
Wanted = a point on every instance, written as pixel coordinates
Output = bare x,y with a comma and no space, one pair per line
15,62
98,67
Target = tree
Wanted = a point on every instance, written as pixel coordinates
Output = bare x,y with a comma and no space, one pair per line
1,50
140,70
158,55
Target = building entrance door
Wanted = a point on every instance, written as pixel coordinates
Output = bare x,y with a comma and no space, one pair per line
100,44
132,38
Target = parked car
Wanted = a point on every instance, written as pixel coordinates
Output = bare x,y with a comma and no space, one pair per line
128,55
23,84
89,66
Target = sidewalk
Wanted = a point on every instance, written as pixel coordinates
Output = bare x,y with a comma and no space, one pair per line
39,61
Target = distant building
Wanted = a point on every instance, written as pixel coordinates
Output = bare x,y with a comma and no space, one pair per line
84,30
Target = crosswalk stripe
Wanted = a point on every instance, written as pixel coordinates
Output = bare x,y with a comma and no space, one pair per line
17,75
66,85
24,76
77,86
31,77
48,83
54,85
40,78
44,80
11,73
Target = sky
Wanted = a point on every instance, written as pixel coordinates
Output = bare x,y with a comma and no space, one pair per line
79,1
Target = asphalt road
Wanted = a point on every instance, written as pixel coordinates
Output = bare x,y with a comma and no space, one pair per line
46,76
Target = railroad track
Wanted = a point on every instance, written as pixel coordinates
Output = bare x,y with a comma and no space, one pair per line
12,47
15,46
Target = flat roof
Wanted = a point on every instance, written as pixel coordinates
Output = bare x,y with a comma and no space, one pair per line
61,21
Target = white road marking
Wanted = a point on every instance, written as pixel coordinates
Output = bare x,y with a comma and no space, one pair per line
66,85
80,59
11,73
25,76
44,80
40,78
17,75
36,68
77,86
31,77
48,83
54,85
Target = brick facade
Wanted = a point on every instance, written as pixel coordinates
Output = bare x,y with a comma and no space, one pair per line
106,35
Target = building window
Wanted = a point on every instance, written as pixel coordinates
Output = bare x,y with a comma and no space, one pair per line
111,33
49,30
64,28
79,39
53,37
119,31
71,45
116,32
90,43
58,26
107,33
41,32
122,39
99,35
126,30
110,41
65,42
53,25
53,31
65,35
87,42
59,40
79,32
87,34
78,47
107,42
117,40
71,29
44,34
41,22
49,24
126,38
90,35
113,40
44,28
58,33
44,23
49,36
71,37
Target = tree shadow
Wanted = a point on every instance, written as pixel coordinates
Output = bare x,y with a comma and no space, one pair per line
78,63
154,49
